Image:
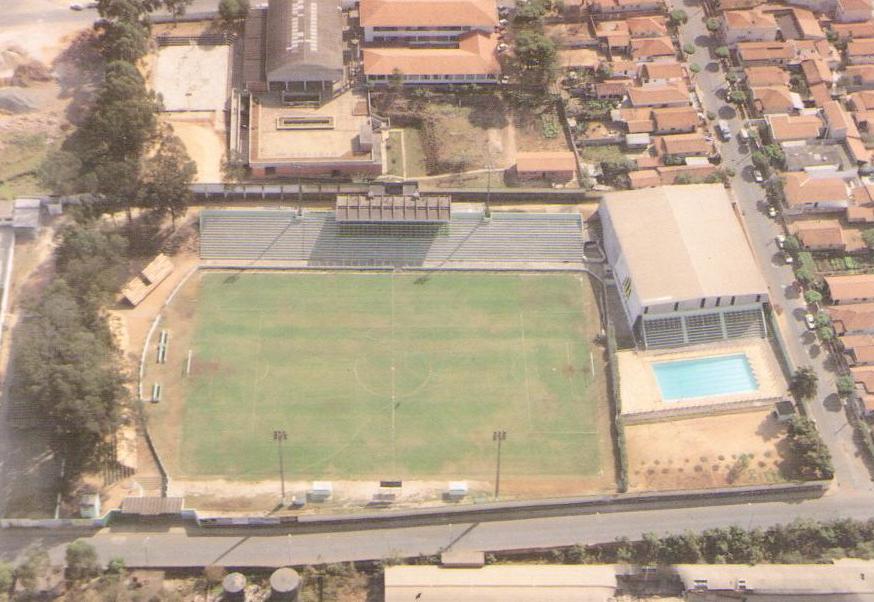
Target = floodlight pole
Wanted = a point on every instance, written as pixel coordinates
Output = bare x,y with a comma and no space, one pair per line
279,437
498,437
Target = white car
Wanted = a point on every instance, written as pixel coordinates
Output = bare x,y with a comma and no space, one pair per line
76,6
758,176
772,211
809,321
780,240
787,258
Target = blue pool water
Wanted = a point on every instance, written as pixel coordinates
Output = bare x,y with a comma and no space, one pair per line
705,377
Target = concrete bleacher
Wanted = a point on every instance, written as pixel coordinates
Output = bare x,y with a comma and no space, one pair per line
316,239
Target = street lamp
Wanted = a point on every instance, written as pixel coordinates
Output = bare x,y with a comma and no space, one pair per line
279,437
498,437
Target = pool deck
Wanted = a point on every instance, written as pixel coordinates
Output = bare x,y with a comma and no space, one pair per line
642,399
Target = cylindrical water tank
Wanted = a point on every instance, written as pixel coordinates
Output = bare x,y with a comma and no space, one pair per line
234,585
285,584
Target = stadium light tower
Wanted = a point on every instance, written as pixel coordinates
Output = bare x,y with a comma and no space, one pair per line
279,437
498,437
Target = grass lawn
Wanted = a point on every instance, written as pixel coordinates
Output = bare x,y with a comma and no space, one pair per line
383,376
20,156
395,154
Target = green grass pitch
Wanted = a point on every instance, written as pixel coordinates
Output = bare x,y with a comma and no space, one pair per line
380,375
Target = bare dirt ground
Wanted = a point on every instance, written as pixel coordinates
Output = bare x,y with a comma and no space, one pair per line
706,452
205,142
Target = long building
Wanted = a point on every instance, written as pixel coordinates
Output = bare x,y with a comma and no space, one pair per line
683,265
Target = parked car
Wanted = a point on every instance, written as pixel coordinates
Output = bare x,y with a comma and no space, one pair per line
810,321
772,211
787,258
780,240
758,176
744,135
76,6
724,130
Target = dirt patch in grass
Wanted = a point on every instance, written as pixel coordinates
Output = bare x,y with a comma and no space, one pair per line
712,451
539,130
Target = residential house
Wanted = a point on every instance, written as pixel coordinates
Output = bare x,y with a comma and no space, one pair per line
668,95
863,377
858,349
696,172
661,72
602,8
816,71
859,77
555,166
611,89
765,53
860,52
676,120
807,194
637,121
806,25
652,26
766,76
644,178
684,145
425,21
653,49
794,128
769,100
613,36
852,319
855,288
862,105
839,124
473,62
815,49
623,68
725,5
753,25
852,11
821,235
846,31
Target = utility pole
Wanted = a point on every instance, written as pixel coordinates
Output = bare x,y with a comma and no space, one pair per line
498,437
279,437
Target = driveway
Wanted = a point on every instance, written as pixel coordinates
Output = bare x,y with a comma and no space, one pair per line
850,468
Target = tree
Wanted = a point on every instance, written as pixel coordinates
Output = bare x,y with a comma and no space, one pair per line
59,172
804,384
761,162
695,68
167,178
713,24
803,274
231,11
811,455
791,243
7,575
731,77
846,385
81,558
722,52
531,11
689,48
812,297
123,41
825,333
35,565
868,237
177,8
775,154
678,17
115,566
535,53
737,97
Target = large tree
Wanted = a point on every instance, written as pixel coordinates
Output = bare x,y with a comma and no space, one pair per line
804,384
167,178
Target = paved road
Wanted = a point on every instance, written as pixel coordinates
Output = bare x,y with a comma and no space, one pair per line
181,547
830,416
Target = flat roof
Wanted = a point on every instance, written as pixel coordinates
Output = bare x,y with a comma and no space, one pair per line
682,242
854,579
151,506
502,583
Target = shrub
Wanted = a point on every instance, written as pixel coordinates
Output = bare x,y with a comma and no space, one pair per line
81,560
722,52
689,48
712,24
845,384
812,296
809,450
695,68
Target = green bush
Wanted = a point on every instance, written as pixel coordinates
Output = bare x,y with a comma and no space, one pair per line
689,48
845,384
812,296
850,263
808,449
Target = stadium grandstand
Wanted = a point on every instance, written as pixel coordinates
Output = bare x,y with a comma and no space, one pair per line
464,239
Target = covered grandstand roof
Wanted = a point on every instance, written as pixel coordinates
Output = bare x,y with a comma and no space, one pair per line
392,208
304,40
681,242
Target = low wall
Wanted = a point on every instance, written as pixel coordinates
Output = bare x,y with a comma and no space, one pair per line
728,407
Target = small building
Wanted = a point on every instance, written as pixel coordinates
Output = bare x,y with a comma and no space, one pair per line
816,71
844,581
666,95
765,75
858,349
859,77
555,166
784,410
661,72
504,583
852,319
847,31
770,100
821,235
653,49
765,53
753,25
152,507
685,145
651,26
807,194
860,52
855,288
26,213
795,128
89,505
852,11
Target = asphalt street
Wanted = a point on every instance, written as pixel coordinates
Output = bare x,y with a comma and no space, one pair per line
852,495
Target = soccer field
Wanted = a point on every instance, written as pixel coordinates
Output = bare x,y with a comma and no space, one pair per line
383,376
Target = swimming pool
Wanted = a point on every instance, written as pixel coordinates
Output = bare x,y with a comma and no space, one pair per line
705,377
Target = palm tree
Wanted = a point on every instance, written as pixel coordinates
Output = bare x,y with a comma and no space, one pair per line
804,384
